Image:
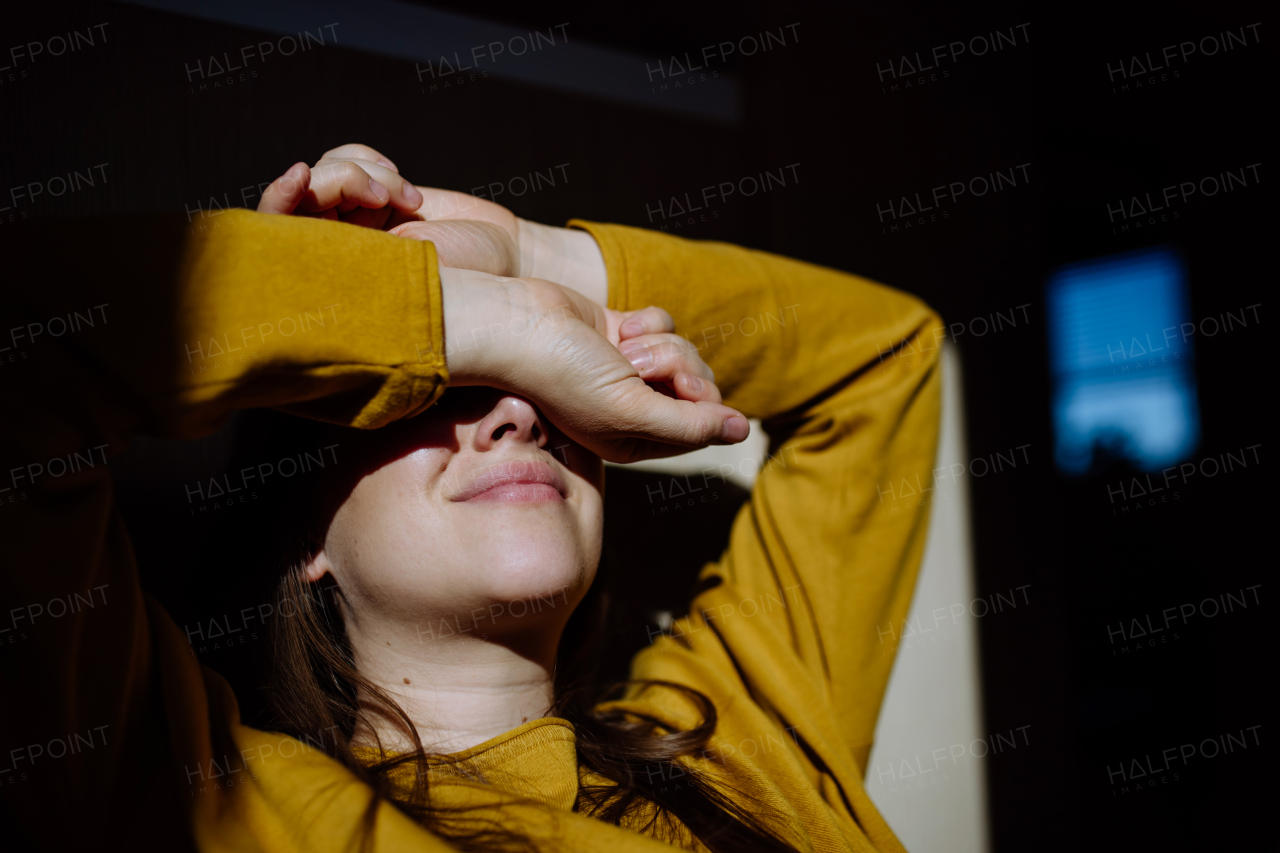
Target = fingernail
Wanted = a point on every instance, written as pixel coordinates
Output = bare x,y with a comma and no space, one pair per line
412,195
640,359
735,429
379,190
695,384
631,327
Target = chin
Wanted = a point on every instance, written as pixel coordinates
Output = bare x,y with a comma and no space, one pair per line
525,551
524,563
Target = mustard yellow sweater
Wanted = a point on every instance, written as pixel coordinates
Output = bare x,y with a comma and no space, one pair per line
111,732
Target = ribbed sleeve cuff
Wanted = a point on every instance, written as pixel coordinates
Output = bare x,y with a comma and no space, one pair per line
431,371
615,262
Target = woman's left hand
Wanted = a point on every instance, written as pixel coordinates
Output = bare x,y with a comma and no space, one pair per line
352,183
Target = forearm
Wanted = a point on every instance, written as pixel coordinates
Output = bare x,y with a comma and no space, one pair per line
778,333
118,325
566,256
321,318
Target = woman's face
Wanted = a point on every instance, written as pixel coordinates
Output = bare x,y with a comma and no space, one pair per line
478,513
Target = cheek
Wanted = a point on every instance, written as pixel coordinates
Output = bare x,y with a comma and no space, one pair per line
388,542
591,471
590,529
586,484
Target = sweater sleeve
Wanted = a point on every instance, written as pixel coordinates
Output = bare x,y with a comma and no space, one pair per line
148,324
843,372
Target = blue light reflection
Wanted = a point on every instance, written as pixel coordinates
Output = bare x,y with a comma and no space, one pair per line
1121,363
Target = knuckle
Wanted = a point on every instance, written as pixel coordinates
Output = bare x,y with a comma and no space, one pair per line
687,358
544,296
695,425
706,429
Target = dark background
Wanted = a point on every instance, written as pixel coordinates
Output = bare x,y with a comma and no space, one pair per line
819,103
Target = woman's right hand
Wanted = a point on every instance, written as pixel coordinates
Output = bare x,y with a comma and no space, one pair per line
559,349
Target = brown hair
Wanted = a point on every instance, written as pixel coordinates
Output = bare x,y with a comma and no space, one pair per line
314,686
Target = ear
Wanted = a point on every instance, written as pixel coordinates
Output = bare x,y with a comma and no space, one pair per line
317,567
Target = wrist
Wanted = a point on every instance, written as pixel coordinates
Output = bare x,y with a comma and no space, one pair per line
464,294
569,257
490,320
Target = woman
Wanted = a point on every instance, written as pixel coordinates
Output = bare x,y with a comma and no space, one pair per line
484,506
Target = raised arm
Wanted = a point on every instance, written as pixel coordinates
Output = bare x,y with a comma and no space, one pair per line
153,324
842,371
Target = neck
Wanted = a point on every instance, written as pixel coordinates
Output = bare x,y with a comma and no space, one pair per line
460,691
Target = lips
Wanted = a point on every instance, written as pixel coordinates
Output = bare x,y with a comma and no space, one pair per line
516,482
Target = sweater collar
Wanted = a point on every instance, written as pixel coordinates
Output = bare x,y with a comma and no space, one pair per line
537,760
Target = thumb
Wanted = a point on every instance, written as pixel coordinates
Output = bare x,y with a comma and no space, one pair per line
697,424
286,191
664,426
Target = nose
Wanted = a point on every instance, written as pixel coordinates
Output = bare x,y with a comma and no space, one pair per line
512,418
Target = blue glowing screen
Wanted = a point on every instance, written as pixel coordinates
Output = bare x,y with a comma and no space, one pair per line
1120,351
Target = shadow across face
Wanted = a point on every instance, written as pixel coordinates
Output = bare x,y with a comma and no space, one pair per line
334,459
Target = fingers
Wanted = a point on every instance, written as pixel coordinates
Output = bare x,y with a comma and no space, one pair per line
286,191
686,424
646,321
671,359
337,181
356,151
404,195
345,185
